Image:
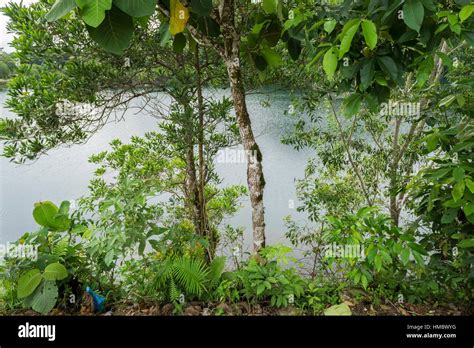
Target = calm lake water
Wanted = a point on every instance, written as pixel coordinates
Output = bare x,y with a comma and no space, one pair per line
64,173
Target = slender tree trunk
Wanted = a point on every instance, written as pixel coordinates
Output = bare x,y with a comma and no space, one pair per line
191,184
230,53
255,177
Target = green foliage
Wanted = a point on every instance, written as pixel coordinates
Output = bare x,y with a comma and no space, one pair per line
379,254
267,280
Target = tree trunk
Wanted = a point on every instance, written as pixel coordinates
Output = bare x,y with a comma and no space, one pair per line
255,178
192,194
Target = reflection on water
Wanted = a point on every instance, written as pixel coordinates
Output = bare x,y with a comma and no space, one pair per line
64,173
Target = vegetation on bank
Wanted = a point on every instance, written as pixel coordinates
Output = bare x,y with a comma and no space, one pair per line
389,192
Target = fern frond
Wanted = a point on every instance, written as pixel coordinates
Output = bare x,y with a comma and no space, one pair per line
190,274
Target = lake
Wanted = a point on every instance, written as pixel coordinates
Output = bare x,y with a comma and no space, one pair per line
64,173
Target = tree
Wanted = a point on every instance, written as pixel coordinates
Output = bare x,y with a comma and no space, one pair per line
65,97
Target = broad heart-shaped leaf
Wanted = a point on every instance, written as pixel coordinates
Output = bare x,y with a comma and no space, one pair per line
136,8
201,7
115,33
347,34
55,271
44,213
93,11
45,297
270,6
179,16
413,13
330,62
60,9
340,309
370,33
28,282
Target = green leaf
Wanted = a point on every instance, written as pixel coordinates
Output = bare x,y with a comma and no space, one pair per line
115,33
329,25
466,12
446,101
458,174
179,43
413,13
466,243
330,62
55,271
378,262
347,37
64,207
418,248
28,282
93,11
136,8
370,33
201,7
340,309
405,256
45,297
424,70
367,73
44,213
352,104
458,190
388,65
294,48
469,184
60,9
270,6
469,209
432,141
449,216
272,57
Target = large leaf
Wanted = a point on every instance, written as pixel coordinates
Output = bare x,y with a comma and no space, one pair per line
60,9
136,8
55,271
28,282
115,33
352,104
179,16
330,62
45,297
201,7
270,6
44,213
93,11
340,309
370,33
389,66
413,13
348,33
